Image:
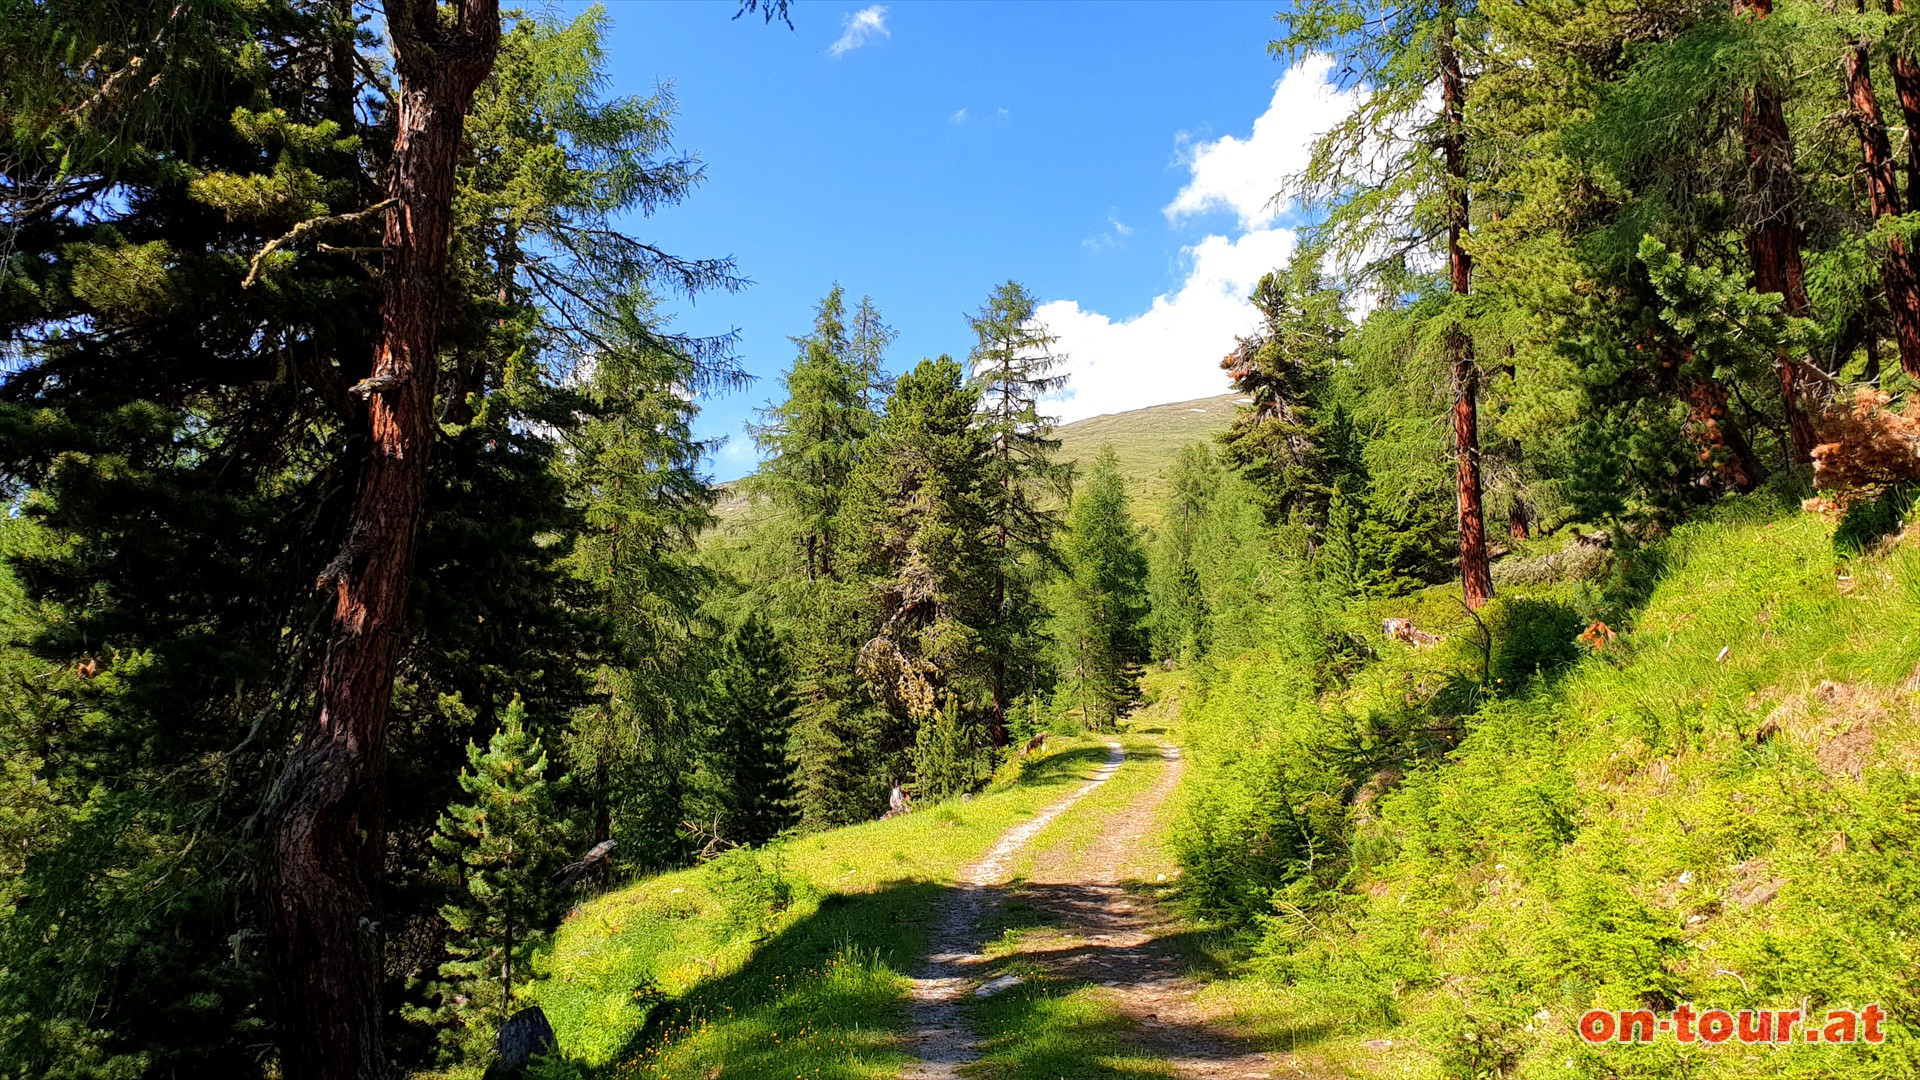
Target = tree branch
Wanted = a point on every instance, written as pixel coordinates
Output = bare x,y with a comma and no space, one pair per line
302,229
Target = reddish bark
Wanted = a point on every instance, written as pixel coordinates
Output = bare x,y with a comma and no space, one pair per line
1883,198
1723,446
1517,524
1906,85
328,807
1773,239
1476,578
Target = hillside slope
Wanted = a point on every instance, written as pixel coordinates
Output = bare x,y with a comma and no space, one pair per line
789,961
1719,807
1146,442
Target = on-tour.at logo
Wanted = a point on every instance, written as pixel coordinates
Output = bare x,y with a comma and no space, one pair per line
1687,1025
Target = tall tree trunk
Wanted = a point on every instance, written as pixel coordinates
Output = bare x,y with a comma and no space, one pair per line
1475,578
997,723
1883,198
328,806
1906,85
1773,238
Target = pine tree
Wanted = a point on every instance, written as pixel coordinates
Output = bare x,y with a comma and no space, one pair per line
746,773
919,533
1105,596
499,848
1012,369
1283,367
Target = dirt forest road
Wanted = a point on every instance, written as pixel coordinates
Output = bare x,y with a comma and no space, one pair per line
1097,934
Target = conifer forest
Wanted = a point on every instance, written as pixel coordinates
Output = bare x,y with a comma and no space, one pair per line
1507,665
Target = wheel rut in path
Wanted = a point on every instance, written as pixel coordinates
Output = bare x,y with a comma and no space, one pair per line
1099,934
939,1035
1102,935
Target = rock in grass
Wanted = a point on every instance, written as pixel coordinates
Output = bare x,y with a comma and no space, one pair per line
525,1036
994,986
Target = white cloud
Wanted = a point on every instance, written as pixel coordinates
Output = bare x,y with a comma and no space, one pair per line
1117,232
960,116
859,28
736,456
1171,352
1243,175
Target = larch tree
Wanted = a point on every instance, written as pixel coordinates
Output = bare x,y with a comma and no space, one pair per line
1774,235
812,439
1180,618
1283,368
328,809
1899,275
1104,613
1396,177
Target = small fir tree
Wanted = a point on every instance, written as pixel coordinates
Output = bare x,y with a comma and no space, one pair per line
499,848
745,772
1104,600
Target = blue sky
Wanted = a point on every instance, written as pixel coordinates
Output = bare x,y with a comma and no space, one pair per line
1115,158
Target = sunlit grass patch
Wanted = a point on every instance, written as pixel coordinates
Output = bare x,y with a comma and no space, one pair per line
1716,807
1044,1030
677,973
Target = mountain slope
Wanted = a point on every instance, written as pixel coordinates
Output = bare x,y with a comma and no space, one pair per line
1146,441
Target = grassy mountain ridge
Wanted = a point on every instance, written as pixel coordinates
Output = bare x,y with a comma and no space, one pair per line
1144,440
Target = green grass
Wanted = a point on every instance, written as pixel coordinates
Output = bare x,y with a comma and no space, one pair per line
1721,807
694,971
1049,1030
1146,442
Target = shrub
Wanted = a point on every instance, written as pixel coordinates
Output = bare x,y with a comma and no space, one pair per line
752,888
1869,521
1530,638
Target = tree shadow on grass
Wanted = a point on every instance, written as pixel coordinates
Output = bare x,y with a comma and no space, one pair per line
822,997
1106,990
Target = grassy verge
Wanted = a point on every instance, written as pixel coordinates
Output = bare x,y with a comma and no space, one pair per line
781,963
1044,1029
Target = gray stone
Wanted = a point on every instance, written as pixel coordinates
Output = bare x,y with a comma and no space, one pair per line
525,1036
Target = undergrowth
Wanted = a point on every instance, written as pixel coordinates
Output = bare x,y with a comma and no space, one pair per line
1436,864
